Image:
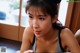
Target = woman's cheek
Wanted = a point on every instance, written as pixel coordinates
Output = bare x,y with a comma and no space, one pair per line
44,26
47,26
30,23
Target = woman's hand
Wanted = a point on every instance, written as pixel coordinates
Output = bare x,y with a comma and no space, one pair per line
29,51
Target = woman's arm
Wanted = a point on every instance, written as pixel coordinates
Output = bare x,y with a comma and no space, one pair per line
27,39
70,41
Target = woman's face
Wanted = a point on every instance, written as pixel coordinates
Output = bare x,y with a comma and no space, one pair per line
39,22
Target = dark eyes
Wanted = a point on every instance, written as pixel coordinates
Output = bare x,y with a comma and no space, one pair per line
40,18
30,17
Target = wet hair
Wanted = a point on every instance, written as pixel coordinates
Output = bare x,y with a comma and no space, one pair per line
48,7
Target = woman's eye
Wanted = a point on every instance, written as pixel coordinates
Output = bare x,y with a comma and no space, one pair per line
30,17
42,18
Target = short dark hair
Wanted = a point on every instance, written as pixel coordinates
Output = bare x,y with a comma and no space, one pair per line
47,6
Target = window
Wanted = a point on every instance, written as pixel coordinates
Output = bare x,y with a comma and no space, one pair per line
9,11
24,18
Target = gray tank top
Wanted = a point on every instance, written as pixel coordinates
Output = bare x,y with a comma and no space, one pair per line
59,47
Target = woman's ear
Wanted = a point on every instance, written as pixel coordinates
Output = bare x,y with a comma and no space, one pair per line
55,19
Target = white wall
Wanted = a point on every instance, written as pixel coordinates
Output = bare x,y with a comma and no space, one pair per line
63,11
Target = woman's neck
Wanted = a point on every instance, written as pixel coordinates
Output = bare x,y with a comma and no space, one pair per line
51,36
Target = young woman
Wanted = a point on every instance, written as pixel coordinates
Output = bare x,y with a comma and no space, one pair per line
45,34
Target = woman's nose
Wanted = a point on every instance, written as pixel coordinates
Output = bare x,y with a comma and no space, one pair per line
35,24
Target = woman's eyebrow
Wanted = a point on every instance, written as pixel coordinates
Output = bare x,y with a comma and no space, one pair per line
29,14
39,15
42,15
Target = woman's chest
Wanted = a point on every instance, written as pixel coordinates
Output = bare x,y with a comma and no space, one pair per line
48,48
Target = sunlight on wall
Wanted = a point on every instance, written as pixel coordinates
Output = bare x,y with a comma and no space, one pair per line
63,11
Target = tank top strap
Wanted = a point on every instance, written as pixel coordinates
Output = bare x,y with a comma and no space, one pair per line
59,48
34,44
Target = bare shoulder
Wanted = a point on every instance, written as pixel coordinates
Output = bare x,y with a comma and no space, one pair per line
66,33
28,34
70,40
27,39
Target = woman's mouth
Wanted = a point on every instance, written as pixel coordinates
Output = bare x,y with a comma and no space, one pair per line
37,32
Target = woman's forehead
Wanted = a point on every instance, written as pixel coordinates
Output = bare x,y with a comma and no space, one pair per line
35,10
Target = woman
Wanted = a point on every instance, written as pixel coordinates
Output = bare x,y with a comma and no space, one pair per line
45,34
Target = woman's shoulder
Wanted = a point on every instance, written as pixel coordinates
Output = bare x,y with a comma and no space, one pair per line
27,39
28,30
66,33
69,40
66,36
28,34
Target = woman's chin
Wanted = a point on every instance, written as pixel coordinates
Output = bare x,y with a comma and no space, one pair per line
38,36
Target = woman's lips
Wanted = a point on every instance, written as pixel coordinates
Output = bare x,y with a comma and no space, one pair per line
37,32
